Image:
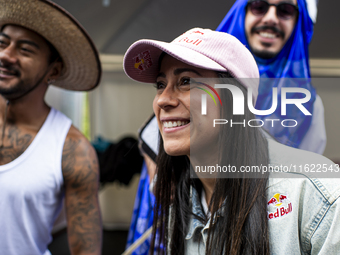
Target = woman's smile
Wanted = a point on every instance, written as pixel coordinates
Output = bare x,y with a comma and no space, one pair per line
175,124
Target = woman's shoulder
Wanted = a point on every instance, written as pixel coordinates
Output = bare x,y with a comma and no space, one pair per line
303,215
305,211
280,154
303,171
303,204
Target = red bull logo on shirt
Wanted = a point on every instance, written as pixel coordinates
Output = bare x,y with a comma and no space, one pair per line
278,206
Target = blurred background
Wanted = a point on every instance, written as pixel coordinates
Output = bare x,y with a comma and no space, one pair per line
119,106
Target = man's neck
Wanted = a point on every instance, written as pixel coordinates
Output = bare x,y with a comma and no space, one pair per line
28,111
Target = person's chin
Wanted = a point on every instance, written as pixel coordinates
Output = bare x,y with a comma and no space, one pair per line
174,151
264,53
9,90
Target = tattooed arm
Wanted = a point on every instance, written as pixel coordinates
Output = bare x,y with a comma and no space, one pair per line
81,174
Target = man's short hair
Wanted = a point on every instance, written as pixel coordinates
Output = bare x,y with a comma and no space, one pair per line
54,54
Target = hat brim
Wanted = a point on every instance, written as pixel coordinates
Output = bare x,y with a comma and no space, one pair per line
81,64
151,50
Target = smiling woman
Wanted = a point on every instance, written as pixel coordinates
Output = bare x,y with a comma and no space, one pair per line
220,213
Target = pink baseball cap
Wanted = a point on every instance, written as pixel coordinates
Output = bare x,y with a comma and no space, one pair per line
202,48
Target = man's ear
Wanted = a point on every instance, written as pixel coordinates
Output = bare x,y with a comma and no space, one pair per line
55,70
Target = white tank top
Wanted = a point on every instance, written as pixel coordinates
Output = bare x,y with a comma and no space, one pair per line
31,190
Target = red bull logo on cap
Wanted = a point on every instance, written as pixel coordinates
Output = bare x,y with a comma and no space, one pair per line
197,32
143,60
191,41
278,206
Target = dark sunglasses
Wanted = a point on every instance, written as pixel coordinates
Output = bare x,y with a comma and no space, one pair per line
283,10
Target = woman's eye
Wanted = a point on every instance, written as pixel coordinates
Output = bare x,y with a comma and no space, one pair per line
185,81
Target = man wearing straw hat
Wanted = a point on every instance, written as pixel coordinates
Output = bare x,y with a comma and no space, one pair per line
43,158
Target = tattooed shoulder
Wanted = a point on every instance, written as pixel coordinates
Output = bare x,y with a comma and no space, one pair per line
79,158
80,171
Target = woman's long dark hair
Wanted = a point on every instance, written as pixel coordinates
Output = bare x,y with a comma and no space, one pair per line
243,227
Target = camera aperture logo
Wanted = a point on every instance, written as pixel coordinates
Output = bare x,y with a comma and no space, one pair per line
204,97
239,102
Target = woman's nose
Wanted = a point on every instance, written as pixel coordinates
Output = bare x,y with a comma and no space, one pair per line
168,98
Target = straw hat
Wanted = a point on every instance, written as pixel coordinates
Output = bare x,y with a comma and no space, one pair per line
82,69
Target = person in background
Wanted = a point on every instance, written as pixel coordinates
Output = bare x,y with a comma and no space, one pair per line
142,216
44,159
278,32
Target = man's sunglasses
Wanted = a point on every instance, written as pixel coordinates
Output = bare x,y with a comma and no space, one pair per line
284,10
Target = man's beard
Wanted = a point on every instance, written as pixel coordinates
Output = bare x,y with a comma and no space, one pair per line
265,54
14,91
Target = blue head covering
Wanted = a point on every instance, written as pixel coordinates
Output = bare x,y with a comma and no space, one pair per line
142,216
291,62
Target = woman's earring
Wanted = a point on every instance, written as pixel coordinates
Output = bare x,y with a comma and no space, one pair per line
50,81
